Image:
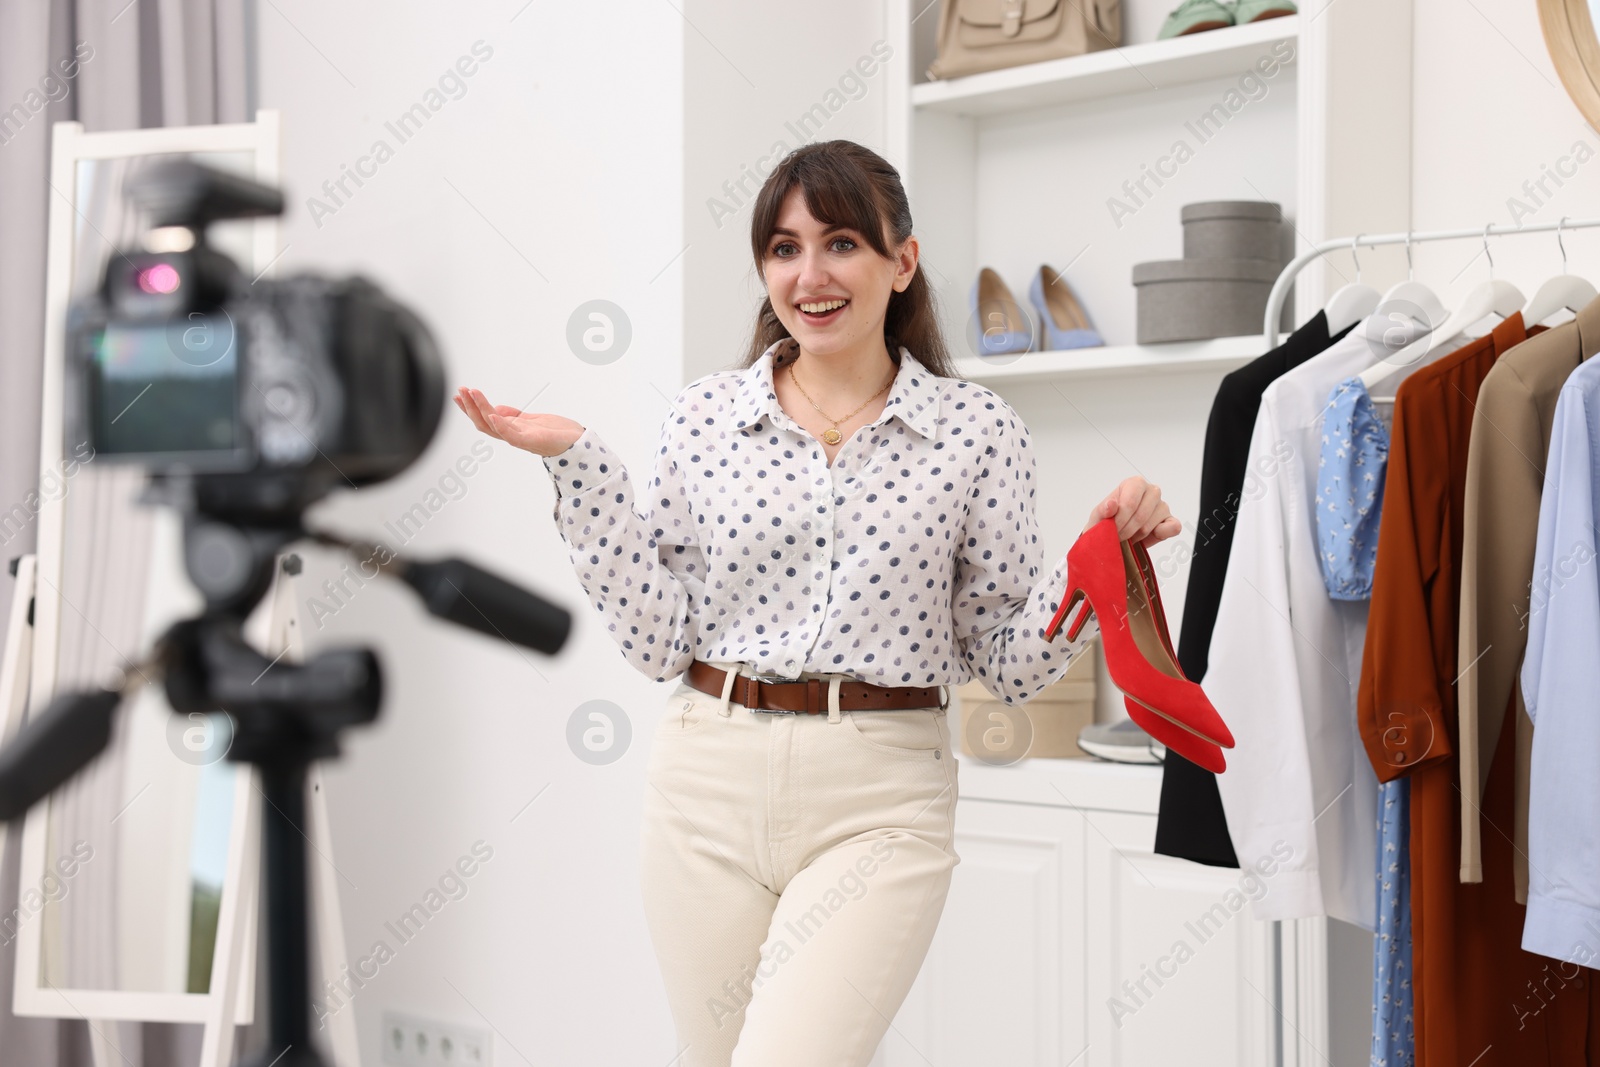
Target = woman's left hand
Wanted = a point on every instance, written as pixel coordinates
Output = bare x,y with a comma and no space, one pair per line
1141,515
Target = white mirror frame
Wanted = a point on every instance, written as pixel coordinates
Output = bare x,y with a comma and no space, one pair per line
233,963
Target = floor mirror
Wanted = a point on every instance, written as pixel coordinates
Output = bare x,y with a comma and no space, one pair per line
142,868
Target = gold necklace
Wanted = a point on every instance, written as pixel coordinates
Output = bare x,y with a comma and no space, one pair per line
832,435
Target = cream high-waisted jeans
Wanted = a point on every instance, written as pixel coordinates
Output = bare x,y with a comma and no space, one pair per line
794,867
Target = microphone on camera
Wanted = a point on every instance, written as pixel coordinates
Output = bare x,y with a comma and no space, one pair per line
52,746
468,595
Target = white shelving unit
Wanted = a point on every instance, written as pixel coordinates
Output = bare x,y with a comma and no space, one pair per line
1083,164
1107,361
1113,72
1062,163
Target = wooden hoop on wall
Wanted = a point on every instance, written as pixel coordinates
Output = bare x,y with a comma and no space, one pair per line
1569,35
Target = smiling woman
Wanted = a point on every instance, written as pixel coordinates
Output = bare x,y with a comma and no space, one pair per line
833,534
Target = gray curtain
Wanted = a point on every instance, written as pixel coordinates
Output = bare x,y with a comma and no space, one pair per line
111,65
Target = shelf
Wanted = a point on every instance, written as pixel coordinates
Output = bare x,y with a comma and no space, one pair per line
1084,784
1220,355
1115,71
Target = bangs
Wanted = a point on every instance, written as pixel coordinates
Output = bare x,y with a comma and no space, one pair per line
835,191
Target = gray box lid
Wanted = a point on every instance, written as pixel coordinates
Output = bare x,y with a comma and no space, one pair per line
1263,210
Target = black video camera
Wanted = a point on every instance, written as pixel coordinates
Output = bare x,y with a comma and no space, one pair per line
258,397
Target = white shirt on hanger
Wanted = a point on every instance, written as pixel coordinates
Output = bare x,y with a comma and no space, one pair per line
1286,662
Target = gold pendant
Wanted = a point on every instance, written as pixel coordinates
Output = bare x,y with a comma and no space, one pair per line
832,436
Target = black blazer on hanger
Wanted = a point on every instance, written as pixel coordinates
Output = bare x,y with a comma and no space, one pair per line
1191,824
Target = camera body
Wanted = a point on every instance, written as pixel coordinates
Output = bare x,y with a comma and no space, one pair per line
261,396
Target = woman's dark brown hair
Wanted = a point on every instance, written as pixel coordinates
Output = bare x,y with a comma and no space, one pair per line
845,184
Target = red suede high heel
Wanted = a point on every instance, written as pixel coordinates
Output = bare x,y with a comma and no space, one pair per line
1105,570
1196,750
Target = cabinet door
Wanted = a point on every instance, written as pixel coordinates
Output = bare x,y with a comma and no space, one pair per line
1003,981
1177,969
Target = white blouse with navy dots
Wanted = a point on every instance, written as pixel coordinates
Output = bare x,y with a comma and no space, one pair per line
910,561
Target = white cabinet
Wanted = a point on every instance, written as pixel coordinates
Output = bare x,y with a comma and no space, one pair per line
1177,969
1066,941
1004,981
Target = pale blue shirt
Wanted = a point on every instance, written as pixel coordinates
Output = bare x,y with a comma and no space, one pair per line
1350,475
1561,687
1350,471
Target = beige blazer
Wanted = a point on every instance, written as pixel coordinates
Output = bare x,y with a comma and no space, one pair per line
1505,477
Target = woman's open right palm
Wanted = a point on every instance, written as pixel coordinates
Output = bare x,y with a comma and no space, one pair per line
541,433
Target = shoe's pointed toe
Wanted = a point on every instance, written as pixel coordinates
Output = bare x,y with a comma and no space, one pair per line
1190,746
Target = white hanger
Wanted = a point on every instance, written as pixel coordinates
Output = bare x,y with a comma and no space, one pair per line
1351,303
1419,296
1563,291
1493,297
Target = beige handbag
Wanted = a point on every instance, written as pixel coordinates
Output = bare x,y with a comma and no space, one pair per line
977,35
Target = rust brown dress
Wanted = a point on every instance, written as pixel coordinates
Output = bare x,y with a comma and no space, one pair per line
1478,998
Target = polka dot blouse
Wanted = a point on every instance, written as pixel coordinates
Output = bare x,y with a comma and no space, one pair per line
911,561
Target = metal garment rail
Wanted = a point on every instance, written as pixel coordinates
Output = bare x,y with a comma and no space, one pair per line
1280,288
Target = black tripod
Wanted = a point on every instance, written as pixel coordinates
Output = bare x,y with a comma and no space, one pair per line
286,715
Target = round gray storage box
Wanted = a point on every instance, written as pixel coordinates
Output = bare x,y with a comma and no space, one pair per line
1198,299
1233,229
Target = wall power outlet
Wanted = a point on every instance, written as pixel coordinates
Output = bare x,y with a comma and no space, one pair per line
415,1041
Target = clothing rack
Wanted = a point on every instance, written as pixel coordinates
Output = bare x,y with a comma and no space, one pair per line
1280,288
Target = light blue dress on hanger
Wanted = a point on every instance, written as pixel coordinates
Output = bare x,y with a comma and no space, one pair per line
1350,474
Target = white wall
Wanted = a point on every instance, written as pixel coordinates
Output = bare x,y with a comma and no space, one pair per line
1489,113
553,180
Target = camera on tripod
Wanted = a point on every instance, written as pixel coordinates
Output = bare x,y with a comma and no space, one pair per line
246,400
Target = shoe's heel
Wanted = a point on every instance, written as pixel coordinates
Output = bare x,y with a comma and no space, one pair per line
1073,597
1077,624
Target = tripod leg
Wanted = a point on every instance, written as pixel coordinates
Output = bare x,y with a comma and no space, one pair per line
283,819
286,634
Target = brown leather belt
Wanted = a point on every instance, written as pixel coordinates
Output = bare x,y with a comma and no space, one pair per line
811,694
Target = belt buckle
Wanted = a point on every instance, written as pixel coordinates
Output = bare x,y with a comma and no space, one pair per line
770,679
